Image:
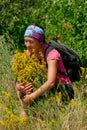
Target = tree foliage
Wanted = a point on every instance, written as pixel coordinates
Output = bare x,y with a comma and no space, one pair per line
67,18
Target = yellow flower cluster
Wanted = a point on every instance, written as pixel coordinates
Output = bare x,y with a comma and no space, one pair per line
26,67
8,116
83,70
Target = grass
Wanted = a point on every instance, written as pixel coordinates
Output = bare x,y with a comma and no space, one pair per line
49,113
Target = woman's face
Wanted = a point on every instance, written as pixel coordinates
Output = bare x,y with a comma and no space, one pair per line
32,43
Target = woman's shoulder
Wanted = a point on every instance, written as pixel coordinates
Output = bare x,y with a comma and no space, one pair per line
53,54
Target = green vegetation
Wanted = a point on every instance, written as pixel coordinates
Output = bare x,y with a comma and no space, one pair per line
65,18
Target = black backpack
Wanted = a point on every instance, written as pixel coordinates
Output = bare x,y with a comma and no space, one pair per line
70,60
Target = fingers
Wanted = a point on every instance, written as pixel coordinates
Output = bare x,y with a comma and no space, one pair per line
29,84
28,87
27,99
20,86
28,91
24,88
20,83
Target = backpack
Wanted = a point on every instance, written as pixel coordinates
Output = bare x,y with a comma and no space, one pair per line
70,60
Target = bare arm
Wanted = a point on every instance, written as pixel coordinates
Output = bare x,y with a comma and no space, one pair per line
52,74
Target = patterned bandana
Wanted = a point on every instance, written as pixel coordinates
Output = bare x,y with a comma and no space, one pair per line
35,32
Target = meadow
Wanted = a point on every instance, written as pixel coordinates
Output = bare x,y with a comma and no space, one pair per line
48,113
67,19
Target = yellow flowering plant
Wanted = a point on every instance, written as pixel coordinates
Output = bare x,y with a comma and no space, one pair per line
28,68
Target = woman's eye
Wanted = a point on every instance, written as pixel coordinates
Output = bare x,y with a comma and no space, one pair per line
31,42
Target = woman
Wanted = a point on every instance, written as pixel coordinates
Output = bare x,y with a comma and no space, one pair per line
34,38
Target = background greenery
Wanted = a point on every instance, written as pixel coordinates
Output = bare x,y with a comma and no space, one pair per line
67,18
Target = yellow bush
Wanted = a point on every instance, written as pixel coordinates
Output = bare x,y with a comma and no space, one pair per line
27,68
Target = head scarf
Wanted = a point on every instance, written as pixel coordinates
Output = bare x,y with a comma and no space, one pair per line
35,32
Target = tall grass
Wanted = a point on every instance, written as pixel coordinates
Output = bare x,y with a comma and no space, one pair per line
47,113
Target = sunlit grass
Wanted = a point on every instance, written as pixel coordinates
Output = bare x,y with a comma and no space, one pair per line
48,112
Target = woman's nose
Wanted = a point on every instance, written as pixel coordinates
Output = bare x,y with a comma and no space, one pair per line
28,44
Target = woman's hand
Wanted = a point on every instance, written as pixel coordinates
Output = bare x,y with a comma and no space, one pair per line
20,86
28,99
26,89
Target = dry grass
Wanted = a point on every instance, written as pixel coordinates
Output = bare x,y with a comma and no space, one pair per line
45,114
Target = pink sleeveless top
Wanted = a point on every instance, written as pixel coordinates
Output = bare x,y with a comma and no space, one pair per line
55,55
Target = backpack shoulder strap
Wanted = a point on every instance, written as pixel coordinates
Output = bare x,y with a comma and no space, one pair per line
47,50
51,45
